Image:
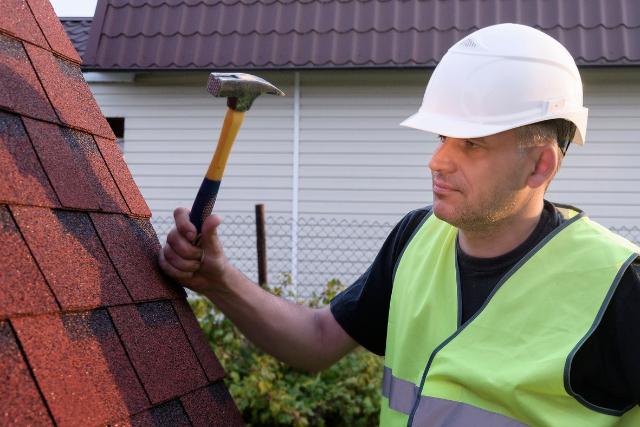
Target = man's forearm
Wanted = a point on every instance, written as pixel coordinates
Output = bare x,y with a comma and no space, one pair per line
300,336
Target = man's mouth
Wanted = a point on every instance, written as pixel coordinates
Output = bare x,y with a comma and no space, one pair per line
442,187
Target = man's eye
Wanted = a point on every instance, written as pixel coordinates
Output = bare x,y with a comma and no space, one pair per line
442,138
471,144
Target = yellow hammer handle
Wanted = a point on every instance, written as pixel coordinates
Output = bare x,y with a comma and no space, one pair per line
230,127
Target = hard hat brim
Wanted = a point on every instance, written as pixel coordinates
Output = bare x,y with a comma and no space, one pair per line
457,128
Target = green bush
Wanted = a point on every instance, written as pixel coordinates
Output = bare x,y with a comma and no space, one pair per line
271,393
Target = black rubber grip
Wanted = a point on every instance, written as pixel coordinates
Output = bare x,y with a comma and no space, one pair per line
203,204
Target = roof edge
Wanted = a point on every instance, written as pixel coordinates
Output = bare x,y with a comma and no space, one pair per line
89,68
90,51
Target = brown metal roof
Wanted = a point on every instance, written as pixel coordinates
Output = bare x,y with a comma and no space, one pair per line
250,34
78,31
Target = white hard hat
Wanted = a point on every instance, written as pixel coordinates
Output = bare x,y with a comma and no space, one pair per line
499,78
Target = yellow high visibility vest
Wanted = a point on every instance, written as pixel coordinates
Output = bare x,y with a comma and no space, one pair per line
510,364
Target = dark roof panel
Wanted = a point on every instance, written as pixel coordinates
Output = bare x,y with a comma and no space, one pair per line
133,247
53,31
169,414
78,31
176,34
200,345
21,403
81,367
20,89
122,176
154,328
71,257
22,179
22,287
94,171
59,163
212,407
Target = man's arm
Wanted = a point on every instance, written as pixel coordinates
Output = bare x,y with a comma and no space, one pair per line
306,338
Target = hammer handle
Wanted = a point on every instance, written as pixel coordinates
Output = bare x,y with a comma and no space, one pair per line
232,122
206,198
203,204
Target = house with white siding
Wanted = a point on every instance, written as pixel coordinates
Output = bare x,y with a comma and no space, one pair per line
351,71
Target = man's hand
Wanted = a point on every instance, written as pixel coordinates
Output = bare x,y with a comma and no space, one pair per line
185,262
307,338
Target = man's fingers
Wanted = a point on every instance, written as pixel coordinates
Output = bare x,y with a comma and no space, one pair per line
184,225
170,269
183,247
180,263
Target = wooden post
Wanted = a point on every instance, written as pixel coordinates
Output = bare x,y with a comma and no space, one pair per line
261,246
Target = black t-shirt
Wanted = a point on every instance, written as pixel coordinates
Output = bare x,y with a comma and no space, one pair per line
605,370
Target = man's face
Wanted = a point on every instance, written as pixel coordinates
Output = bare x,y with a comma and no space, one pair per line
478,182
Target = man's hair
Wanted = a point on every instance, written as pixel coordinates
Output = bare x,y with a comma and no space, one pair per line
532,135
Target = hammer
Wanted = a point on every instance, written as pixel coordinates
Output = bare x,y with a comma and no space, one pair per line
240,90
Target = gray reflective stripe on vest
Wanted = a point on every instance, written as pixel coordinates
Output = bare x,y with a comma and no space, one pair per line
435,412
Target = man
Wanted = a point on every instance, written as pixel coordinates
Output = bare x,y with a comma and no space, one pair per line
493,307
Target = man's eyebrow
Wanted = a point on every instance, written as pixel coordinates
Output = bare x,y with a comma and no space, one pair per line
479,139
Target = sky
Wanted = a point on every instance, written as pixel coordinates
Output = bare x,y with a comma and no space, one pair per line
70,8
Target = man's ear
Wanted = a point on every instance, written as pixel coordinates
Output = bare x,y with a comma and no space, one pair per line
546,161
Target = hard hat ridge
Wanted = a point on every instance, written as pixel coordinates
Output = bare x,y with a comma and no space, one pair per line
499,78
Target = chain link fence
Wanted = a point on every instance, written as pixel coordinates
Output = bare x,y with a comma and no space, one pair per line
326,248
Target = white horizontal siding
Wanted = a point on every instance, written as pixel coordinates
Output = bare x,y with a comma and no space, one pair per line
356,163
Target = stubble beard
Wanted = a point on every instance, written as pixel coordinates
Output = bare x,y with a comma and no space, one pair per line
490,212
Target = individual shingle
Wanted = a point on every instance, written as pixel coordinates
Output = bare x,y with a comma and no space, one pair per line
69,93
158,349
22,287
133,247
60,165
81,367
123,178
212,406
22,179
52,29
16,19
94,171
200,345
71,257
20,89
20,401
168,414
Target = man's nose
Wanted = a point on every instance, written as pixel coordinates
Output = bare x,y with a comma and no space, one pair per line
442,159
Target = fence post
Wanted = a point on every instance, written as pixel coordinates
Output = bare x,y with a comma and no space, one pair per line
261,246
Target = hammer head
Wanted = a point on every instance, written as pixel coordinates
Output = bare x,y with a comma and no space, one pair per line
240,89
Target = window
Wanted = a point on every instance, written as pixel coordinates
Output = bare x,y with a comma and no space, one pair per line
117,126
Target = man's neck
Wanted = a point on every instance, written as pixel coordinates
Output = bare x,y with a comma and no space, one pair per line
503,236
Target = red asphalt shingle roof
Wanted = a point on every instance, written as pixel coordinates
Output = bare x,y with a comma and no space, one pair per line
91,332
298,34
